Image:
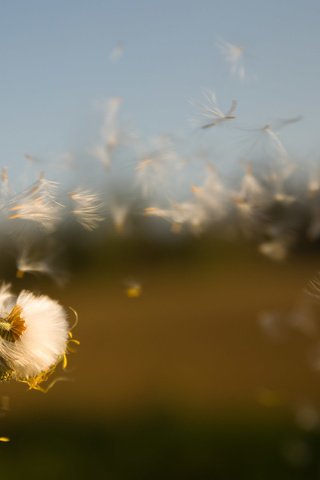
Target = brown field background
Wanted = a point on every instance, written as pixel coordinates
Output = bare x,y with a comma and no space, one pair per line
178,383
190,343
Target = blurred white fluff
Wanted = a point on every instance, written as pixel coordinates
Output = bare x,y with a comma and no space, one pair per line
313,358
103,154
29,262
38,204
212,194
251,190
4,187
307,417
249,215
179,214
117,52
26,264
119,213
313,185
87,208
233,55
303,318
156,165
276,182
272,324
280,239
276,249
109,133
151,174
42,339
313,288
276,324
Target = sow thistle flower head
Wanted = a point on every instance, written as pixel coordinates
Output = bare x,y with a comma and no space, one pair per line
34,337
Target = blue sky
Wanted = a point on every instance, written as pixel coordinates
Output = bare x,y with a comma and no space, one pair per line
55,67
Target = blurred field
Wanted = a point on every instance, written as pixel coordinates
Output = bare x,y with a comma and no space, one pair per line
174,383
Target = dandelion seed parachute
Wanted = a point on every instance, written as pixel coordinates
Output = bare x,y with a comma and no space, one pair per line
211,111
34,336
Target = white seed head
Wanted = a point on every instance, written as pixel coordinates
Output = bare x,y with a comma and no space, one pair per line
39,332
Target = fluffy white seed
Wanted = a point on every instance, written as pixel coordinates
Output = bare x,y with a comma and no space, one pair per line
43,339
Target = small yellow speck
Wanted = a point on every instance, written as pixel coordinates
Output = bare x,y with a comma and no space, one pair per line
4,439
134,291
